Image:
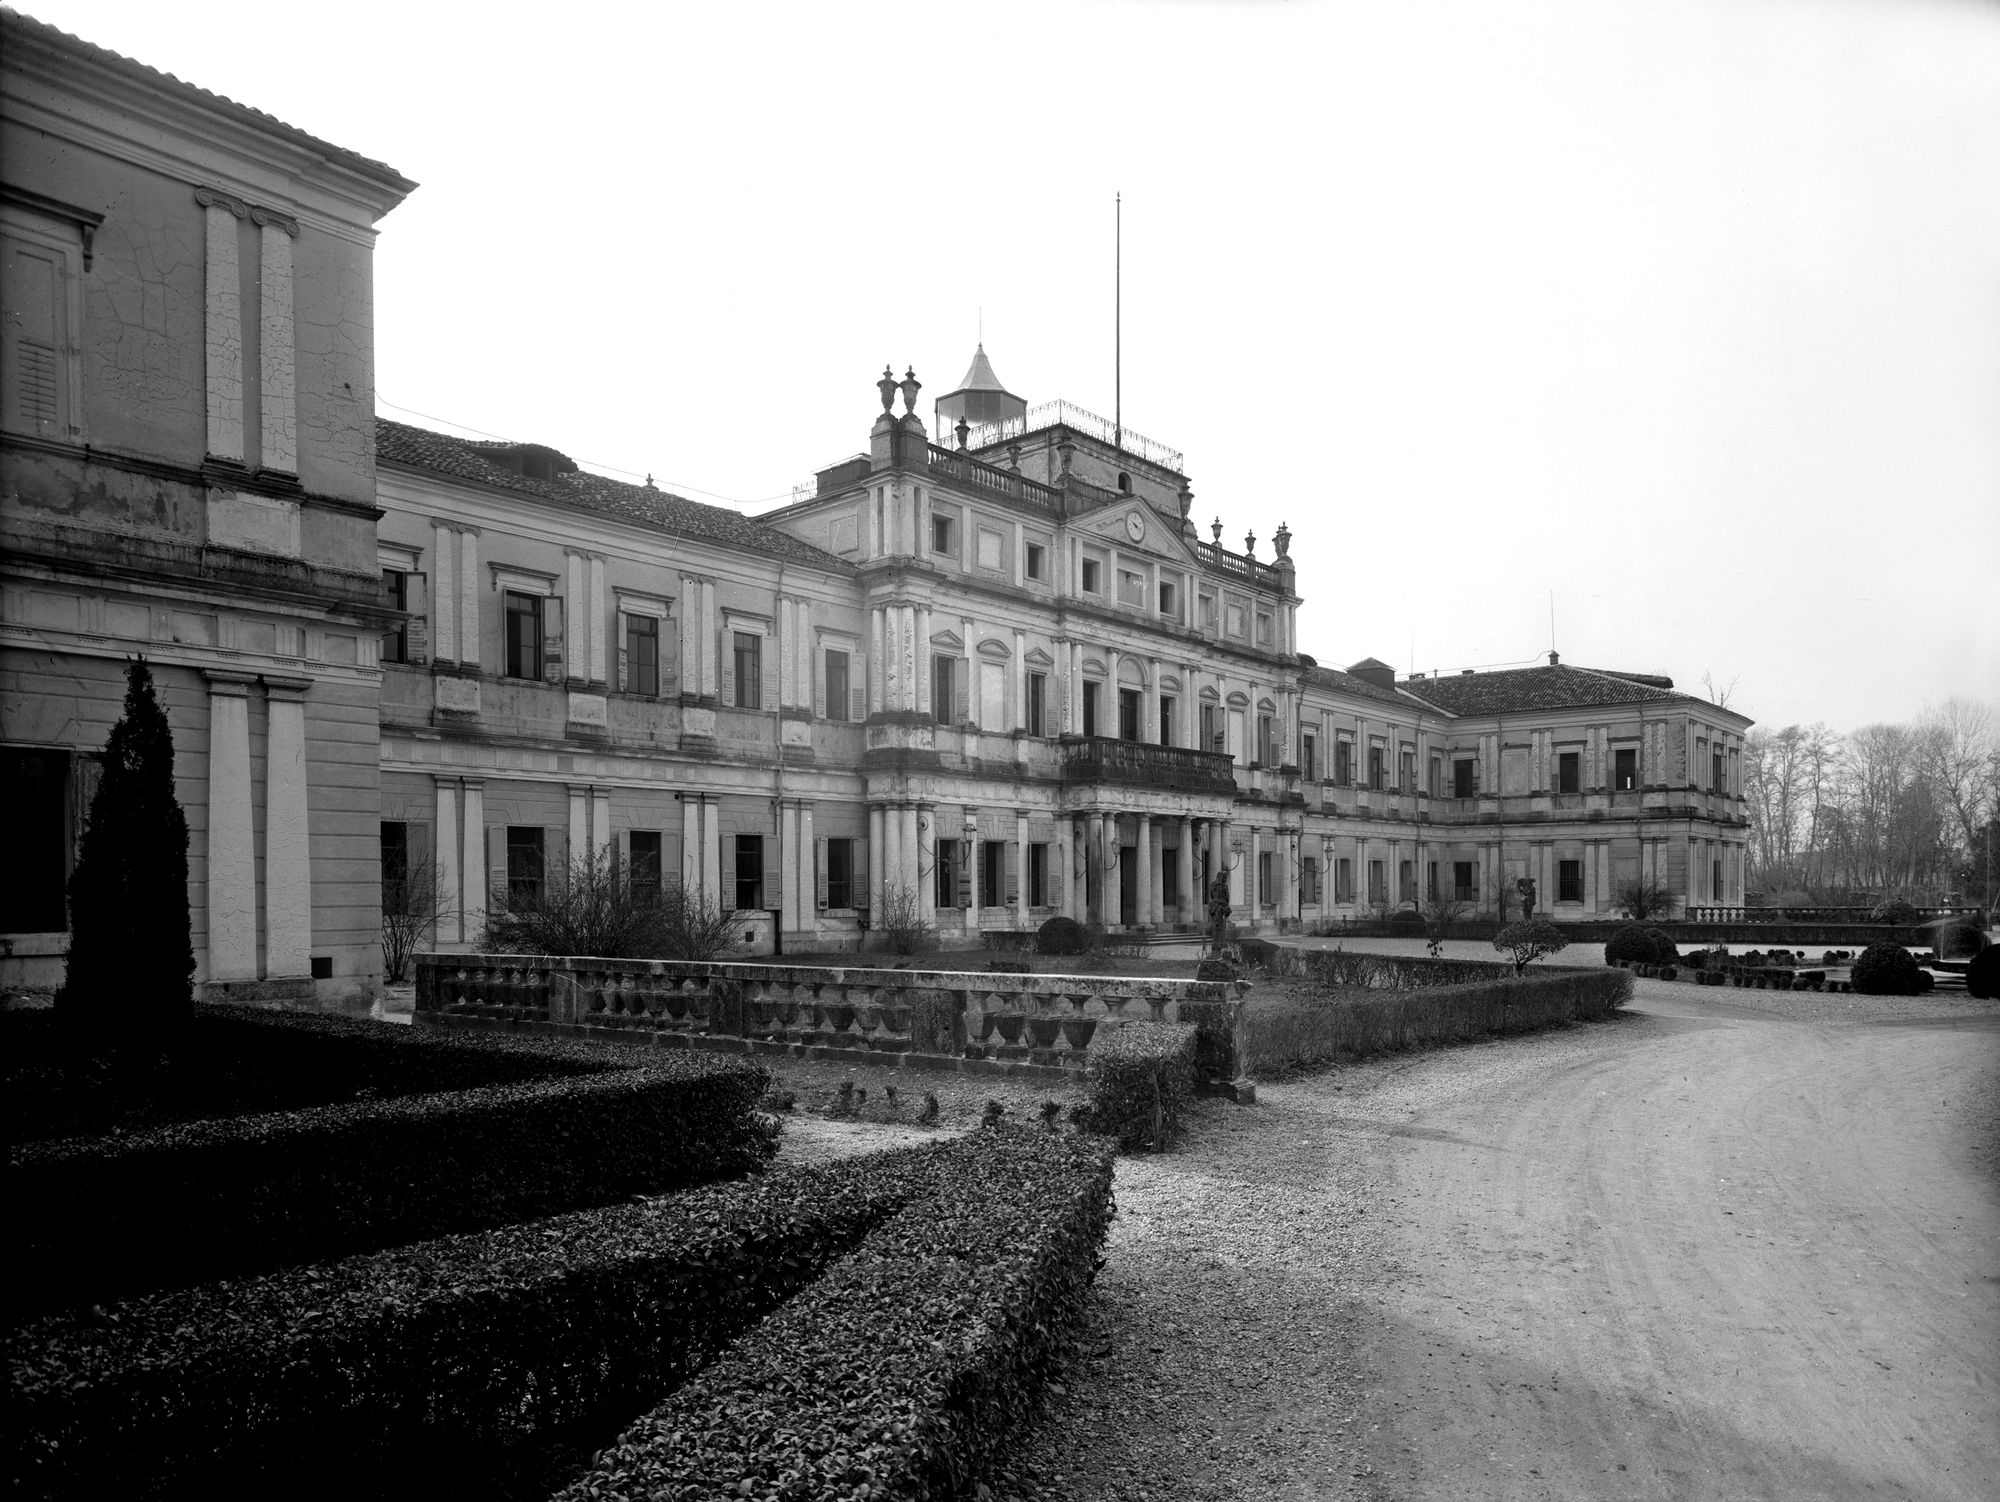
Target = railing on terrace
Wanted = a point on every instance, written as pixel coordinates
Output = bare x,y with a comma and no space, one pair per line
1816,914
1142,764
1069,415
970,471
1225,562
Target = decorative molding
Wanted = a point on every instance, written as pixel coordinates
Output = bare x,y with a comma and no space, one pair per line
1037,658
526,581
949,641
215,198
995,648
85,220
395,555
635,602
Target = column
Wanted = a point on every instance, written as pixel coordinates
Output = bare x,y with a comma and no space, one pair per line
786,887
576,623
579,822
876,669
877,851
1111,910
287,832
444,597
711,849
924,819
808,909
599,657
600,824
1147,911
223,287
691,845
1019,670
473,863
232,870
1150,730
1189,908
1020,858
1073,700
446,839
802,660
468,597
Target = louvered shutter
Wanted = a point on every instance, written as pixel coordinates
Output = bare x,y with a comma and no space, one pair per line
1015,853
816,665
624,680
964,873
417,635
860,705
961,677
768,673
858,893
725,647
726,898
34,359
1054,875
819,873
552,639
496,866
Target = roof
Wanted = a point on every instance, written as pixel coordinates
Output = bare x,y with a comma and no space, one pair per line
56,38
1554,686
657,510
980,376
1347,683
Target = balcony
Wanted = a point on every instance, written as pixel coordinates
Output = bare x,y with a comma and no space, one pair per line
1141,764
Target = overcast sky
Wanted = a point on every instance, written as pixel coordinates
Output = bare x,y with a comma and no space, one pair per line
1687,314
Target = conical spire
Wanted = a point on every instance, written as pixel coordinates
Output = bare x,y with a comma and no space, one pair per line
980,376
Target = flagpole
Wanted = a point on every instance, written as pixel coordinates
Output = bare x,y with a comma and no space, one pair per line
1118,321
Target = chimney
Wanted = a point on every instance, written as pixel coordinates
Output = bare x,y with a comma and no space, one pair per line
1553,659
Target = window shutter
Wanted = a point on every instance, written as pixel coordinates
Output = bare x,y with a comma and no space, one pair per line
725,647
552,639
1054,875
726,898
860,706
858,894
33,360
624,682
964,873
496,866
960,677
417,635
819,873
768,673
1015,854
816,665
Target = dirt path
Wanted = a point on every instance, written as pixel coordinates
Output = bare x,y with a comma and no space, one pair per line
1703,1251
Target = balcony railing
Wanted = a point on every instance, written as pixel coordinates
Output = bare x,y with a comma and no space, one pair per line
977,472
1819,914
1222,561
1069,415
1143,764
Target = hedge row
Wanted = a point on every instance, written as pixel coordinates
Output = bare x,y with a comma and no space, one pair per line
1389,972
1289,1032
1142,1077
98,1219
437,1368
899,1373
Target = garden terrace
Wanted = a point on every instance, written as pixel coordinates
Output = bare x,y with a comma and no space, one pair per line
972,1022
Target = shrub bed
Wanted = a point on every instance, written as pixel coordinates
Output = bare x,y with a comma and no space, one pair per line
447,1367
1141,1078
900,1372
100,1218
1306,1028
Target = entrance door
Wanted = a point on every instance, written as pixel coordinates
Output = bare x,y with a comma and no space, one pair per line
1128,885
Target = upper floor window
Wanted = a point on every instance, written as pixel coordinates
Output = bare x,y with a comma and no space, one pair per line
1308,756
1625,770
1124,482
1343,762
1569,772
1717,779
1035,563
836,690
1464,778
1090,571
1211,728
1090,691
1166,720
1406,770
396,595
1378,772
946,679
642,655
748,652
1131,588
525,641
1128,714
1169,601
941,535
1263,628
1038,695
1208,612
39,311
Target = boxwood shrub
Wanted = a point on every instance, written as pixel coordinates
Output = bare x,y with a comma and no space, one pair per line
1142,1075
99,1218
902,1371
447,1367
1633,945
1061,935
1885,969
1982,976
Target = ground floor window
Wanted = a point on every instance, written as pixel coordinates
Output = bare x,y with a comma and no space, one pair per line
525,870
1309,880
1038,875
993,873
34,831
1170,877
1266,895
1465,881
1431,881
1715,881
839,874
1569,881
945,893
1343,879
750,871
1378,882
645,870
1406,881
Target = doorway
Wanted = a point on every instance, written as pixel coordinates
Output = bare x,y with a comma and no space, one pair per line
1128,885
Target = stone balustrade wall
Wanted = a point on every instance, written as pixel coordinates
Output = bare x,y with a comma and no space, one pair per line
916,1019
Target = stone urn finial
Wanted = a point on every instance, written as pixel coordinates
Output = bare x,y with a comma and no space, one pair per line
1283,538
887,386
963,429
1249,544
911,386
1215,531
1065,451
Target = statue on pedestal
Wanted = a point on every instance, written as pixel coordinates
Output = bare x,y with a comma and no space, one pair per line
1218,913
1526,887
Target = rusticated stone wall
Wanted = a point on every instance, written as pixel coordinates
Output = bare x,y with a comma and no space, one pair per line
904,1019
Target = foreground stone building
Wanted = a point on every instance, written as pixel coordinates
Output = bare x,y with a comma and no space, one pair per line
982,672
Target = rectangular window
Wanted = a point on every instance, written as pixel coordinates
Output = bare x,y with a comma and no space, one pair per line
1378,774
34,831
1431,881
396,595
1266,892
646,864
945,893
1437,777
1465,881
1267,755
1343,879
1131,588
1263,629
1406,771
1169,603
1208,613
1309,756
1309,880
1090,576
1038,701
836,688
642,655
1211,728
1569,881
1716,780
1625,771
524,635
36,340
1406,881
395,863
1038,876
941,534
840,873
993,874
1378,882
1166,720
1128,714
944,683
524,864
1090,708
1037,564
1569,772
990,546
749,871
1464,779
1170,878
1343,763
1715,881
749,650
1234,617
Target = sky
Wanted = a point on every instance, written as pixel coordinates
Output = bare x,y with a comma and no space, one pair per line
1674,325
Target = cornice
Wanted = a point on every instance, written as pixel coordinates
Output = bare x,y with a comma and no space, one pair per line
210,474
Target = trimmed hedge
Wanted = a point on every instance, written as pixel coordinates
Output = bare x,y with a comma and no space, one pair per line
1885,969
1062,936
1142,1077
1395,972
1634,945
903,1370
97,1219
438,1368
1291,1032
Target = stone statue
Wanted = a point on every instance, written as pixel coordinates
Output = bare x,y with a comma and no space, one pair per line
1218,912
1526,887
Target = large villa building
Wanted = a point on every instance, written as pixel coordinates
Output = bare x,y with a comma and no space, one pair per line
985,671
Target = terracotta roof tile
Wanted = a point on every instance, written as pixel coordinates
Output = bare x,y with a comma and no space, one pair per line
1347,683
1514,690
658,510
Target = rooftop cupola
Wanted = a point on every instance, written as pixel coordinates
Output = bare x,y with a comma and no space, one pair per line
980,399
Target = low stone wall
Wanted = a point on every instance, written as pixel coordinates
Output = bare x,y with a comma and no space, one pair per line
904,1019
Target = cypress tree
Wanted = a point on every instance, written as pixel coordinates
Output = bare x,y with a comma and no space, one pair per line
129,986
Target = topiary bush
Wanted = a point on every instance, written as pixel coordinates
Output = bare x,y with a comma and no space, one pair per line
1895,910
1885,969
1633,945
1959,941
1982,976
1141,1079
1407,921
1062,936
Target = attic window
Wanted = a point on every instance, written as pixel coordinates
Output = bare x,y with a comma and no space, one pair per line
1124,482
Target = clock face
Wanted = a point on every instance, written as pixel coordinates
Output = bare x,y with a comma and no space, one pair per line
1135,525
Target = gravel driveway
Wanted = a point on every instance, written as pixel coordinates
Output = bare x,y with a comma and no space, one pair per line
1709,1249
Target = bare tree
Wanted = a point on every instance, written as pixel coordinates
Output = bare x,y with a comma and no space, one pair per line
595,907
1643,897
1719,697
1954,746
411,900
902,924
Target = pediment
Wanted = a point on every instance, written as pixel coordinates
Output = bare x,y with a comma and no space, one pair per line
1037,658
1159,537
992,646
947,641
